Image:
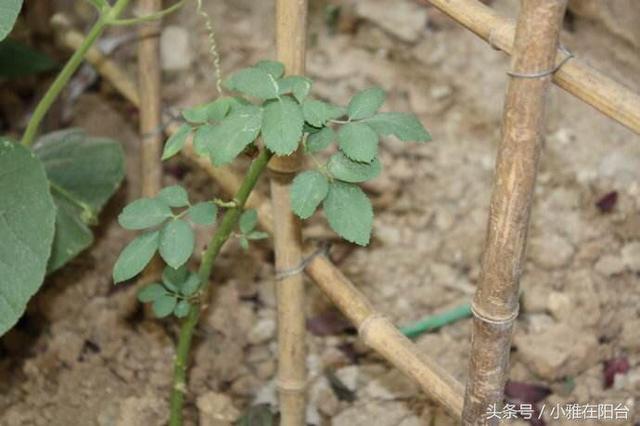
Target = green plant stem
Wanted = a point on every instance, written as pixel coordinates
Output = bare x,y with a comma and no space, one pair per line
433,322
187,328
151,17
106,16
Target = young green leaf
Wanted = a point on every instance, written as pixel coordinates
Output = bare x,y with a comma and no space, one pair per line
212,111
254,82
257,235
174,277
151,293
164,305
320,140
298,86
190,286
282,125
203,213
349,212
364,104
176,242
276,69
176,142
174,196
248,221
404,126
341,167
317,113
144,213
307,192
182,309
358,141
135,256
244,242
203,139
234,134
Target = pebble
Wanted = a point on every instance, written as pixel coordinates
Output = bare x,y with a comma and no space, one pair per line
609,265
406,20
175,51
216,409
631,255
551,251
557,351
262,331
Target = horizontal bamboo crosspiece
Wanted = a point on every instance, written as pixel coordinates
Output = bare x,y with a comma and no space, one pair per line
584,82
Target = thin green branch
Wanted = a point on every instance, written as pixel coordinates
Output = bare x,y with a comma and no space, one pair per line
187,328
148,18
69,69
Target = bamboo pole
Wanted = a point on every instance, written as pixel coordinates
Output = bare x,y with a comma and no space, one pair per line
495,304
584,82
149,83
382,336
291,20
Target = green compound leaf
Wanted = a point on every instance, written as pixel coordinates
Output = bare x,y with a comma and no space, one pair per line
282,125
342,168
9,11
190,285
151,293
349,212
248,221
182,309
27,218
135,256
358,141
227,140
366,103
203,213
274,68
404,126
176,142
307,192
144,213
83,173
174,196
254,82
319,141
244,242
212,111
174,277
176,242
317,113
164,305
296,85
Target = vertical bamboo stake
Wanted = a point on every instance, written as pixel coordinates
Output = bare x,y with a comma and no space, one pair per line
495,305
149,81
291,20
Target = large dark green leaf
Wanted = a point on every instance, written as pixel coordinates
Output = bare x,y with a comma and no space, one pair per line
84,172
9,11
27,216
18,60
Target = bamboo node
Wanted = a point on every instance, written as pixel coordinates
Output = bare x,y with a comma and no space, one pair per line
291,385
546,73
365,325
323,250
477,313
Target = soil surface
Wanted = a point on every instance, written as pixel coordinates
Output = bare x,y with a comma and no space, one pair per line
87,354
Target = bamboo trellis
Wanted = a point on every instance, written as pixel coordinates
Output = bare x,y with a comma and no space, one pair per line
586,83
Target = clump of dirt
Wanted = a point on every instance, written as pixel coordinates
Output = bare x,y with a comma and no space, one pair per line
86,354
